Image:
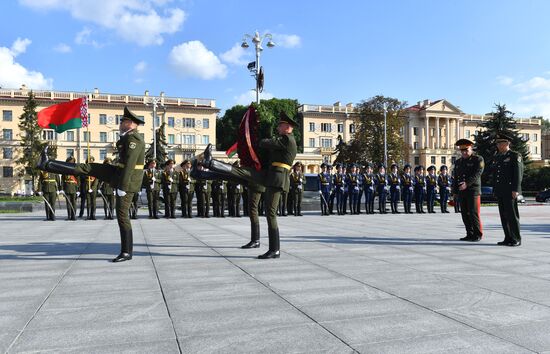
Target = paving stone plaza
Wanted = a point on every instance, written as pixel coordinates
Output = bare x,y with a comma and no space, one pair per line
366,283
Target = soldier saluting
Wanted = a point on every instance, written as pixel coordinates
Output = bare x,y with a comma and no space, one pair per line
467,185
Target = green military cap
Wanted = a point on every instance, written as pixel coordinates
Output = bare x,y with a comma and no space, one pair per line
284,118
131,116
297,163
151,160
394,165
407,166
501,138
443,167
169,161
464,143
185,162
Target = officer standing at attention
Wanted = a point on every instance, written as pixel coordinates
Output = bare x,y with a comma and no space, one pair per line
338,180
381,182
444,184
48,188
352,180
151,182
324,188
108,195
187,188
91,184
395,188
126,175
368,187
431,188
234,191
70,189
407,187
467,185
507,177
169,181
297,184
419,189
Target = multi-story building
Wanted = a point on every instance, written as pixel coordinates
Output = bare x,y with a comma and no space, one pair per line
190,124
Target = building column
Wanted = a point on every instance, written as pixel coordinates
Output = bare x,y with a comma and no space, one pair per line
427,142
437,137
447,133
411,137
457,129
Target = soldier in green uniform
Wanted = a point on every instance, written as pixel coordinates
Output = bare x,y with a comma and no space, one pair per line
48,188
219,193
151,183
507,177
91,184
169,181
108,195
126,175
297,185
203,189
70,190
187,188
282,151
234,196
134,206
467,185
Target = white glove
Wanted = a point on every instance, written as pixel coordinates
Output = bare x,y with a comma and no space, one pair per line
153,179
139,193
356,188
120,192
299,186
386,188
39,193
300,180
221,187
371,188
449,189
205,187
170,179
238,186
320,192
152,186
57,192
90,191
188,186
411,188
78,194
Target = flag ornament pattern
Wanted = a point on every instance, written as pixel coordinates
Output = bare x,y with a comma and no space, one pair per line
64,116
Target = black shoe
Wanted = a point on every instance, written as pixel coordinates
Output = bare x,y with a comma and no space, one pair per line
270,254
252,244
122,257
514,243
503,243
475,239
466,238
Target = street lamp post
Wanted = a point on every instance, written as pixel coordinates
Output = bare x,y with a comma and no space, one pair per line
155,101
257,39
385,136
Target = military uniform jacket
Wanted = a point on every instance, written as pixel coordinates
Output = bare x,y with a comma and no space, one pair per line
297,182
381,182
219,186
395,181
148,182
507,174
468,170
106,189
203,186
70,184
186,182
338,181
443,181
48,182
91,182
368,181
353,182
169,181
282,151
131,151
419,182
407,182
431,182
324,180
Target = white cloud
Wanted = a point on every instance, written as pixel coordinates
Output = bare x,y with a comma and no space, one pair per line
505,80
235,55
132,20
250,96
84,37
62,48
536,83
140,67
534,96
13,74
193,59
287,40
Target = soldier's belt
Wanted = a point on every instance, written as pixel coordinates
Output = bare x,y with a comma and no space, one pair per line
50,180
280,164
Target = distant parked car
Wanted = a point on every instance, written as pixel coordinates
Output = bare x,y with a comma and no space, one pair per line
487,195
543,196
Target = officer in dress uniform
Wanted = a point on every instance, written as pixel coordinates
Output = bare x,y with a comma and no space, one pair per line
324,188
352,180
108,195
467,184
419,189
395,188
345,201
381,182
507,177
332,196
431,188
151,183
407,187
338,181
297,185
444,184
48,188
169,181
282,208
70,189
126,175
134,206
368,187
186,189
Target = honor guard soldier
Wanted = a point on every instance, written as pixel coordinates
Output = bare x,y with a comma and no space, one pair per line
203,189
407,188
91,193
70,190
419,189
368,187
234,192
151,183
338,181
352,180
108,195
126,175
297,185
507,177
48,189
467,184
332,195
360,184
444,183
324,188
431,189
169,182
395,188
381,182
345,201
187,188
219,194
283,204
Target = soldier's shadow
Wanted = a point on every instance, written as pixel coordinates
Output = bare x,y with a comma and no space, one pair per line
395,241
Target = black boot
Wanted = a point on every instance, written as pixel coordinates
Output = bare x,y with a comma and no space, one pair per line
43,161
60,167
126,245
254,237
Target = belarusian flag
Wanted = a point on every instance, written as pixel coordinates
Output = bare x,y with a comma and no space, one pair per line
232,150
65,116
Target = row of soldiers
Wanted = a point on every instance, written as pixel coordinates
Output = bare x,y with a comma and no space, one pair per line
347,186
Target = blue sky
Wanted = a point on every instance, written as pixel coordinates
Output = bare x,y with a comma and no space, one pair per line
473,53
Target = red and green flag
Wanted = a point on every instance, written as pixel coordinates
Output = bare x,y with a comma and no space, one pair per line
65,116
232,150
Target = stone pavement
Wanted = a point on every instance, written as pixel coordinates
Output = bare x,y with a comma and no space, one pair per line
369,284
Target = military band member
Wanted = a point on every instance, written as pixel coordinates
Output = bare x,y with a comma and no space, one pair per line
419,189
297,185
507,177
467,184
444,183
431,189
338,182
368,187
151,183
48,188
324,188
219,193
70,189
126,175
381,182
395,188
352,180
108,195
169,181
407,187
187,188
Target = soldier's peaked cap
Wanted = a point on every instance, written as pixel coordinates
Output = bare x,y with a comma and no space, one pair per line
407,166
284,118
464,143
501,138
443,167
131,116
393,165
169,161
432,167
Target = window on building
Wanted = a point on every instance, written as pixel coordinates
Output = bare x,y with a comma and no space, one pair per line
102,154
171,139
103,137
69,153
453,159
172,155
188,155
69,135
326,127
432,160
118,117
311,127
340,127
415,131
415,145
189,122
467,133
206,123
189,139
440,131
205,139
85,154
352,128
7,171
171,122
326,142
157,121
85,137
535,149
535,137
432,131
48,135
416,160
443,160
7,152
7,134
116,135
103,119
312,142
7,116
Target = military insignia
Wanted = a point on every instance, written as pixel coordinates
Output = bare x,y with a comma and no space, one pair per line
519,158
482,164
132,145
507,160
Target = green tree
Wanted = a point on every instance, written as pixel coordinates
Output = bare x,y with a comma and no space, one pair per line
545,124
162,156
501,121
367,143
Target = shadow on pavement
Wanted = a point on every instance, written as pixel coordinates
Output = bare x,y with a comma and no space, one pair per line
386,241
